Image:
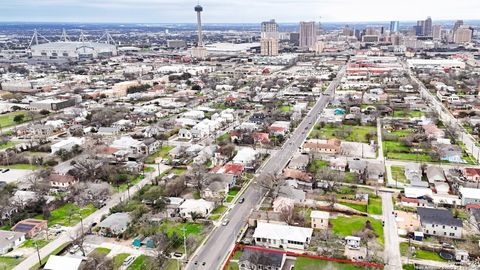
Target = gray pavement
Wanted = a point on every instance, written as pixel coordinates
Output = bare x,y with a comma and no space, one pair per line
391,251
212,254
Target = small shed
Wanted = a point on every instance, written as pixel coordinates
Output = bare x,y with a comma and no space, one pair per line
418,236
353,242
137,242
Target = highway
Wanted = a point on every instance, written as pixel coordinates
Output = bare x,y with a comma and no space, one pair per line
212,254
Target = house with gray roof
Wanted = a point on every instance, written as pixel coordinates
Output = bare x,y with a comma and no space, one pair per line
439,222
115,224
9,240
258,259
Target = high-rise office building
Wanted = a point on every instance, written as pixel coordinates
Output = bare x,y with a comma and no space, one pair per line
463,35
394,26
457,25
427,27
199,51
308,35
437,32
269,38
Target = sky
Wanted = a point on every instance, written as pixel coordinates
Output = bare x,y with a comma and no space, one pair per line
235,11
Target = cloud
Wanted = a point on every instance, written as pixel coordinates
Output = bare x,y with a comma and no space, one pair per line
176,11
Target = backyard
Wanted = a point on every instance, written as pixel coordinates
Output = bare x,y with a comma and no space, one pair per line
119,259
398,174
304,263
421,254
162,152
6,120
346,226
68,214
345,132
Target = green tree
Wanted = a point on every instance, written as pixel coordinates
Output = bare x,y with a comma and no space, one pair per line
18,118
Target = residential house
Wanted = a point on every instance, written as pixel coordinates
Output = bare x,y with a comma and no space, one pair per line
261,137
55,262
303,180
469,195
31,227
282,236
173,206
439,222
279,128
10,240
151,145
283,204
258,260
67,144
338,164
331,146
357,166
108,131
353,242
61,181
299,162
319,219
376,171
130,145
266,216
246,156
219,185
472,174
185,134
115,224
432,131
435,174
298,196
413,172
201,207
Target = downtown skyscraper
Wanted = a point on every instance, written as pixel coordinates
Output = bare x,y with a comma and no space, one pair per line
308,35
269,38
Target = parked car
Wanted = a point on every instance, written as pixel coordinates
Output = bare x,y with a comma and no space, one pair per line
128,260
225,222
241,200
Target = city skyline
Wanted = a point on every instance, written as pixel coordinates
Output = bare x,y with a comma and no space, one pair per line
169,11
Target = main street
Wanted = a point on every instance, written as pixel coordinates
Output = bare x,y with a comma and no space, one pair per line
75,231
213,252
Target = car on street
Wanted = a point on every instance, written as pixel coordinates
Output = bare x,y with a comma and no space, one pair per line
241,200
128,261
225,222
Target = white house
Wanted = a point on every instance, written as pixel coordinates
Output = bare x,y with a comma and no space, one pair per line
439,222
129,144
319,219
282,236
469,195
10,240
185,134
67,144
353,242
246,156
201,207
62,263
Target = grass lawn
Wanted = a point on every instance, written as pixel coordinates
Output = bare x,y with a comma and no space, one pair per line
421,254
397,146
408,267
374,206
101,251
7,263
132,182
408,114
356,206
118,260
171,265
410,156
7,145
162,152
357,134
69,214
233,192
316,165
304,263
232,266
179,171
22,167
217,212
191,228
6,120
285,108
237,254
229,199
139,263
398,174
345,226
30,243
223,138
